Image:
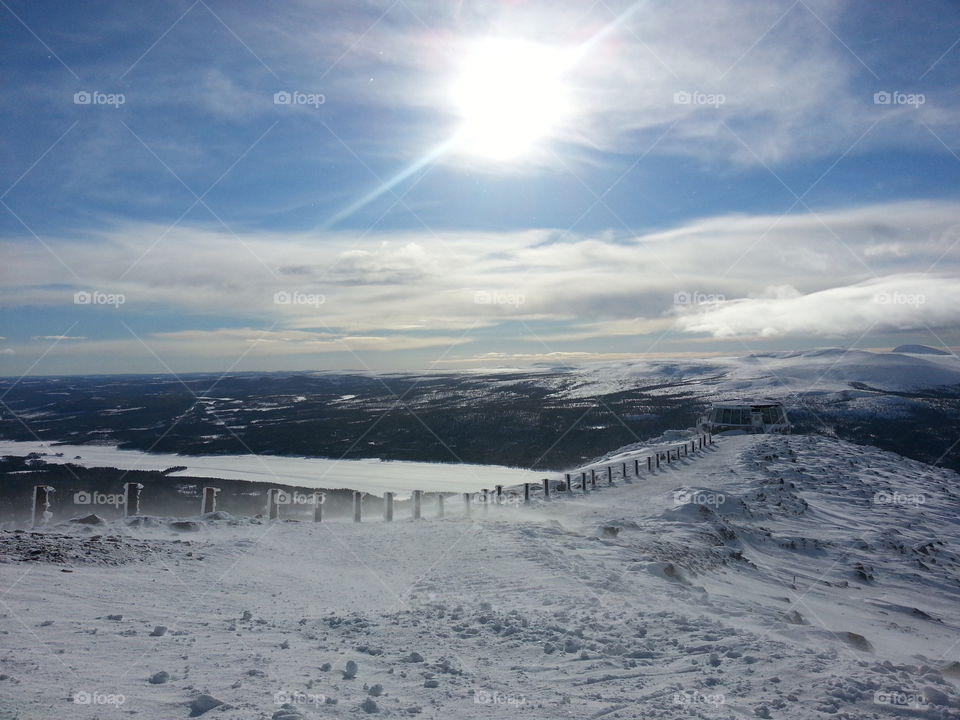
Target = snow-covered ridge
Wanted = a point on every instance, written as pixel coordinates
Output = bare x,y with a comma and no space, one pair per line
774,577
775,374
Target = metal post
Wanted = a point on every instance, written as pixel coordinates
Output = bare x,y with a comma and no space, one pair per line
609,474
131,498
209,502
546,487
41,504
636,467
593,478
649,464
357,506
466,504
583,481
658,460
388,506
440,499
417,499
566,479
526,493
318,499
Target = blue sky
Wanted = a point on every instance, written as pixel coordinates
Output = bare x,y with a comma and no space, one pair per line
695,177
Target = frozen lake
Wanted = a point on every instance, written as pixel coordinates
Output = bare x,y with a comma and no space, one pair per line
369,475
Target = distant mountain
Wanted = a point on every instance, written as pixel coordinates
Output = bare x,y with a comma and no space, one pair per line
542,418
918,350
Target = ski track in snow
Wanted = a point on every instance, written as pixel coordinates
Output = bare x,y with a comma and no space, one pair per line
788,588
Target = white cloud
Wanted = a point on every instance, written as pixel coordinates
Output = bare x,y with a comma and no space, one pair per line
892,303
799,274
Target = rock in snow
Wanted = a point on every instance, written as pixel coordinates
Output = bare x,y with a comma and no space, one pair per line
203,703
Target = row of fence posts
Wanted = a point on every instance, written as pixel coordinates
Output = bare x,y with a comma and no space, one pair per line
208,503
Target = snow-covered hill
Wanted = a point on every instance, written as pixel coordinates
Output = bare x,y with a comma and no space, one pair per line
773,374
774,577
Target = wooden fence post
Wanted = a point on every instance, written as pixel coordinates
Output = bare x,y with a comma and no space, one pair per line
209,502
636,467
593,478
41,504
486,499
583,481
417,499
318,500
546,487
609,474
388,506
658,459
357,506
566,480
131,498
440,499
466,504
499,499
649,464
526,493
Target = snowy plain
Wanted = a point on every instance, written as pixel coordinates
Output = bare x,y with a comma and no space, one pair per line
371,475
774,577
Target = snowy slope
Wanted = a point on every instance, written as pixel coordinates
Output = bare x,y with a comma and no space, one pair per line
773,374
782,577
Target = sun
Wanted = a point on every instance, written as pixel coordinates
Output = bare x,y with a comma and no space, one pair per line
510,95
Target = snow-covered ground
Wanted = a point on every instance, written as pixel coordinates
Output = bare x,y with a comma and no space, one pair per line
774,577
371,475
772,374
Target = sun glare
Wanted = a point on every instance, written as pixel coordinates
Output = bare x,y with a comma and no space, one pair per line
510,95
